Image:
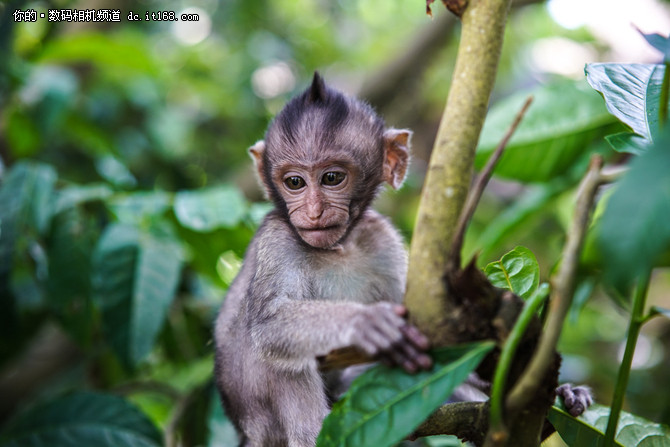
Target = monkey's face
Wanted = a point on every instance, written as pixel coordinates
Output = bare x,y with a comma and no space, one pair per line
317,199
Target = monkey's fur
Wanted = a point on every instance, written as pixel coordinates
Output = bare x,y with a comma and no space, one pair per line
324,271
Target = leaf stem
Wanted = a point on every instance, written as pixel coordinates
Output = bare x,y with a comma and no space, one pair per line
508,351
665,88
636,322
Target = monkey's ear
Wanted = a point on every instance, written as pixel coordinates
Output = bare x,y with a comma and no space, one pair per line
318,90
256,151
396,155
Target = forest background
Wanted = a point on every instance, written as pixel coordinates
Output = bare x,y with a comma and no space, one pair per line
127,196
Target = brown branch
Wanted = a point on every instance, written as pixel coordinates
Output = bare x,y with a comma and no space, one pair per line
342,358
450,169
467,420
563,284
478,189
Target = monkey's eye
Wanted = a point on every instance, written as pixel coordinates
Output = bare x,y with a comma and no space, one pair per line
294,182
332,178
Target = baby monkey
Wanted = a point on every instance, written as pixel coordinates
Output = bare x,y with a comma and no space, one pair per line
324,271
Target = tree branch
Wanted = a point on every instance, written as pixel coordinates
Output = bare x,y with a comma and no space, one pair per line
467,420
478,189
450,169
562,291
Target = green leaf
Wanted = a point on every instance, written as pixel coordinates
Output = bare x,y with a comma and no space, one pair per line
384,405
135,277
69,248
121,51
628,142
517,271
74,195
209,209
115,172
632,93
588,430
26,205
562,120
137,207
656,310
633,230
575,431
659,42
82,419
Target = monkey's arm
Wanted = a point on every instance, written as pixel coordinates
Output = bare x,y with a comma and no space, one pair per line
297,332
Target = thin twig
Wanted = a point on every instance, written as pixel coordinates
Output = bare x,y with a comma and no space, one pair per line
562,291
478,188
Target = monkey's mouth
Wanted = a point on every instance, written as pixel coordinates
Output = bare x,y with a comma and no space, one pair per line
318,229
321,237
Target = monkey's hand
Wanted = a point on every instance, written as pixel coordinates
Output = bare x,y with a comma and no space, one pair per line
381,331
576,398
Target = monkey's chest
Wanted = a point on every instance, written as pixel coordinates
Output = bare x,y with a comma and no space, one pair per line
360,281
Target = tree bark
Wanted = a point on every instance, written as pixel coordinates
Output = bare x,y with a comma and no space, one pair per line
450,169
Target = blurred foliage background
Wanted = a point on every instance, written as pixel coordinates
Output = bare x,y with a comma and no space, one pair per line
128,198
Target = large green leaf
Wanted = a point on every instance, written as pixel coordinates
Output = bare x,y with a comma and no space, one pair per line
633,231
562,120
517,271
137,207
135,276
632,94
82,419
576,432
26,208
384,405
209,209
69,248
588,430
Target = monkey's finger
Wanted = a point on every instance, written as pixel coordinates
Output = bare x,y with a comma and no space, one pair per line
412,354
412,334
382,338
400,310
399,358
367,346
388,325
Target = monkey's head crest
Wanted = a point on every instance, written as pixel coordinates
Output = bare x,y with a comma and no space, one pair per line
318,92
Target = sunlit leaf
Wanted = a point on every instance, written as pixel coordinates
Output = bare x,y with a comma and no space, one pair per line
209,209
517,271
123,51
384,405
82,419
562,120
632,93
139,206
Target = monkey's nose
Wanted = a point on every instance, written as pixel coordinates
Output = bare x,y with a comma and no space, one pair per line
314,213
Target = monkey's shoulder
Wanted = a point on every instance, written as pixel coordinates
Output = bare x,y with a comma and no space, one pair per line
375,232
